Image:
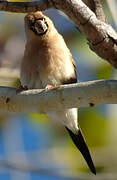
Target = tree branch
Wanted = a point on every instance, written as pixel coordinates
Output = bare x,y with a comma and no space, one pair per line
24,7
68,96
112,6
29,169
101,36
96,7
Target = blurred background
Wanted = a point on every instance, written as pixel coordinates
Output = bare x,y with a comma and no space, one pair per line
34,147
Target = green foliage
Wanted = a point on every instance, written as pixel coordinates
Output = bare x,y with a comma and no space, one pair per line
95,127
16,83
104,71
39,118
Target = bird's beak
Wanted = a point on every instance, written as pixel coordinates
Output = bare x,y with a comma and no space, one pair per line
39,27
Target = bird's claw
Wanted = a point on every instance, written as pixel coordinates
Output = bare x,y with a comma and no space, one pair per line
21,88
50,87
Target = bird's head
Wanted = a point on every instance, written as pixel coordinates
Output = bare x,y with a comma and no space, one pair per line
37,24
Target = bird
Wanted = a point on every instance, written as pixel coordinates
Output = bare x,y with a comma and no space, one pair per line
48,63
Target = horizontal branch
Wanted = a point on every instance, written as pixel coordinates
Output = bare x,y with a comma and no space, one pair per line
85,94
24,7
101,36
29,169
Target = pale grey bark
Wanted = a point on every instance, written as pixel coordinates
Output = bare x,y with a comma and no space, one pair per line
86,94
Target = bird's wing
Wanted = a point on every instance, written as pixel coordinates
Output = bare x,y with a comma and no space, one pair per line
69,118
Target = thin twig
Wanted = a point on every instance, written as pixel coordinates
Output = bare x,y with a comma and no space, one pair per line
30,169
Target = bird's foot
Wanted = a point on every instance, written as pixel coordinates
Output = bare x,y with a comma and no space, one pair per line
50,87
21,88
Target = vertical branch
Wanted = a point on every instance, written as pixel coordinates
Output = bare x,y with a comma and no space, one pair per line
113,8
96,7
90,4
99,10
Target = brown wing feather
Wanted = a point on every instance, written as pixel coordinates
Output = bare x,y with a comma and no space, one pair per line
72,79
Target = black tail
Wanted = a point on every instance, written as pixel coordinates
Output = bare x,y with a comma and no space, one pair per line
81,145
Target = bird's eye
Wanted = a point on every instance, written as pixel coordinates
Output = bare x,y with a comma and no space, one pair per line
39,26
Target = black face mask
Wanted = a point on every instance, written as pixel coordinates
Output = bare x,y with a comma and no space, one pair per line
39,27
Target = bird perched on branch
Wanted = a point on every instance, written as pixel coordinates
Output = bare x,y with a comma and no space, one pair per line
48,63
